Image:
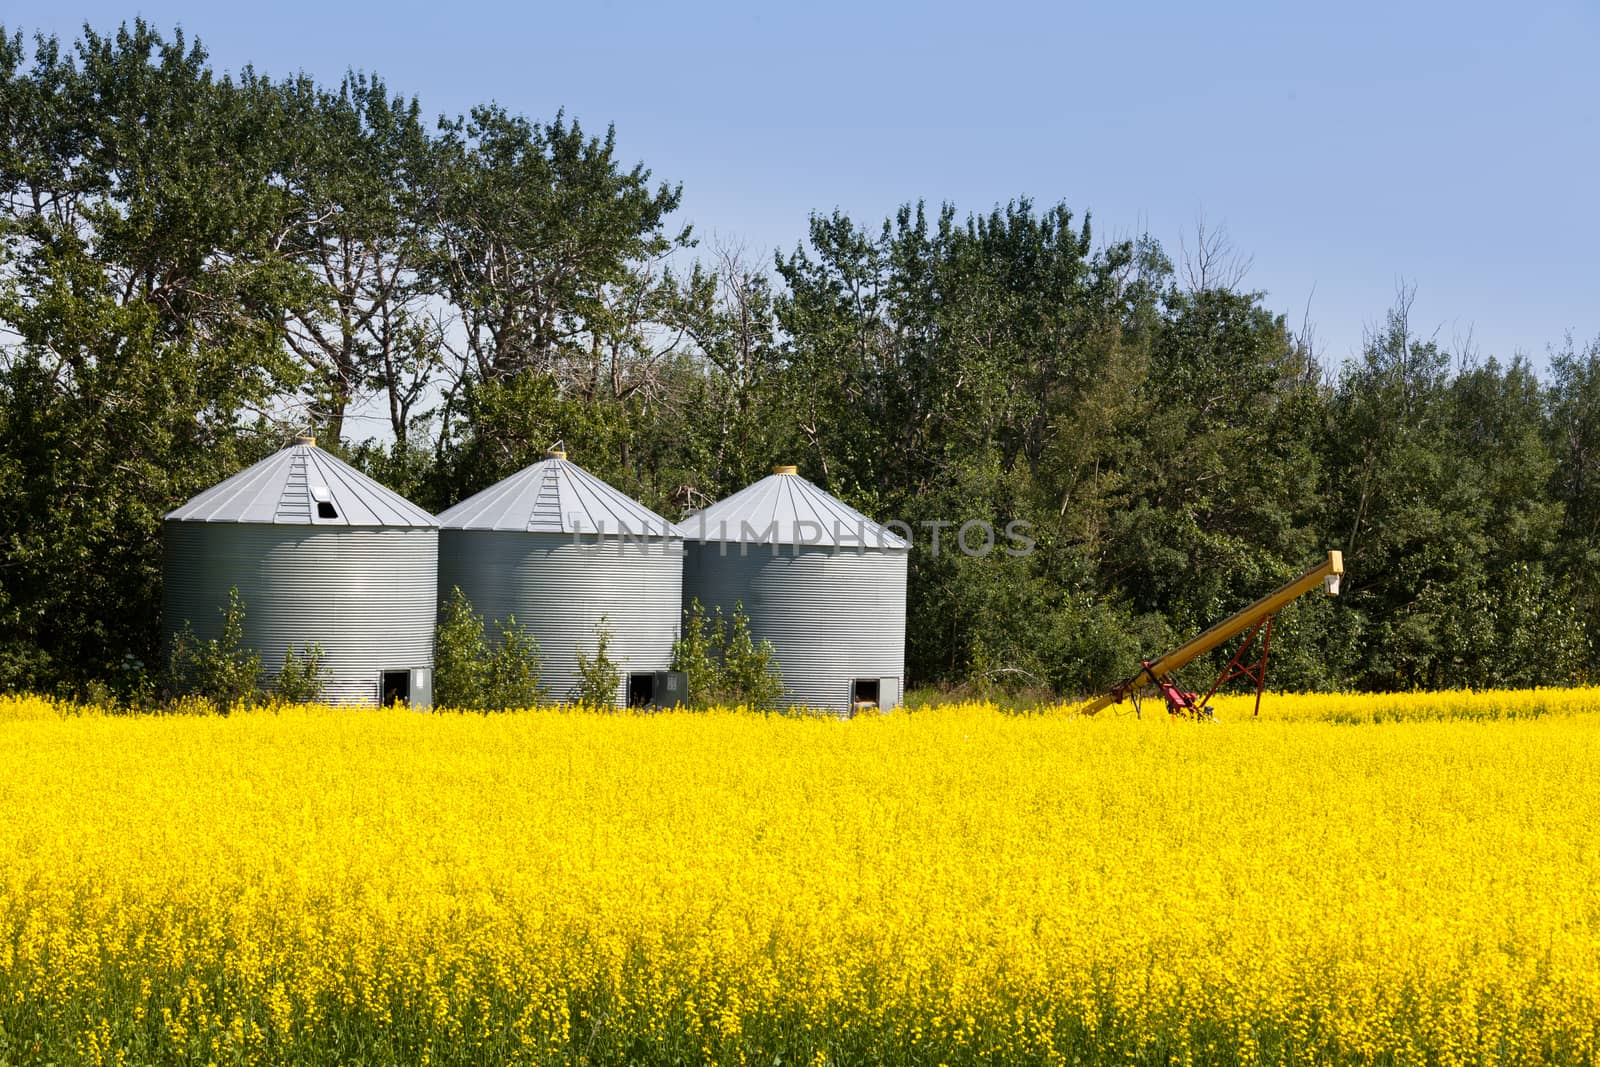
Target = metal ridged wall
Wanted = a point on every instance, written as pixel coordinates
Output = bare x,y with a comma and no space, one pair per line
832,615
367,595
559,590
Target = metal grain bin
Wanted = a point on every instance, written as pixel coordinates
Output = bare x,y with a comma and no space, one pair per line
821,581
561,550
320,554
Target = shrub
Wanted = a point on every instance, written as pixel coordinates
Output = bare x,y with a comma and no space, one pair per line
460,656
469,673
100,696
220,671
135,685
724,664
300,678
749,674
695,654
600,677
511,671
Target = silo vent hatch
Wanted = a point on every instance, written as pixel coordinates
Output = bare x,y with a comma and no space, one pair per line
324,499
396,687
641,690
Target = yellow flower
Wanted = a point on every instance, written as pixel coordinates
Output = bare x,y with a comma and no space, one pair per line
1407,878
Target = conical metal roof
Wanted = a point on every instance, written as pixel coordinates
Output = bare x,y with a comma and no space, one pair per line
302,486
556,496
785,509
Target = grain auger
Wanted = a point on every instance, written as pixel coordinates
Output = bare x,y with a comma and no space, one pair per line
1256,619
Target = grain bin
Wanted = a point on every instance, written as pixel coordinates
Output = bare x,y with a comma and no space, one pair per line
320,554
561,551
821,581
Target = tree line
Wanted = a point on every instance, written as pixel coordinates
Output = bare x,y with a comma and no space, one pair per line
195,264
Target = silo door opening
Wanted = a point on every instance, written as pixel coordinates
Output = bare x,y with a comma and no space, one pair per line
396,687
864,693
641,690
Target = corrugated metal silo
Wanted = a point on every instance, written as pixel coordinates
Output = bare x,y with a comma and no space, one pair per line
320,554
561,550
821,581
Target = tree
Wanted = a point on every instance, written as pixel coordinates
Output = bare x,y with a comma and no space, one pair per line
1439,479
1574,435
142,291
552,258
937,372
749,668
695,654
1223,492
358,167
738,338
534,223
193,264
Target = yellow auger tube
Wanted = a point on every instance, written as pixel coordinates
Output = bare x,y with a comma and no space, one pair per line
1238,622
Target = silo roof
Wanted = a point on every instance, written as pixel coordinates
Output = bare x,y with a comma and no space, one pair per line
786,509
556,496
302,486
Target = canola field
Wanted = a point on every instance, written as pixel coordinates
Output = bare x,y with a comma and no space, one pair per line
1363,880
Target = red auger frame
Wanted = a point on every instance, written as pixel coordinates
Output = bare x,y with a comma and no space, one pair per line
1257,619
1184,704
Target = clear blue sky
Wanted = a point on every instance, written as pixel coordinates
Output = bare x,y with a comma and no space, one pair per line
1344,146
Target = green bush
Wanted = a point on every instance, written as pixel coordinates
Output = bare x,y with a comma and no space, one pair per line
696,655
599,678
220,671
725,666
511,673
749,671
300,678
470,673
460,655
100,696
136,687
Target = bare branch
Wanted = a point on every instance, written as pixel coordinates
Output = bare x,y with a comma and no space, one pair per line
1212,262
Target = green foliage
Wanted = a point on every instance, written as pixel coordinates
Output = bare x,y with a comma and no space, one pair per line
511,673
182,250
697,654
1573,432
724,665
471,672
300,678
140,292
599,676
749,671
460,655
219,670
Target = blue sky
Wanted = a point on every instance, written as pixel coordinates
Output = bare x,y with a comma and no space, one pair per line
1345,147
